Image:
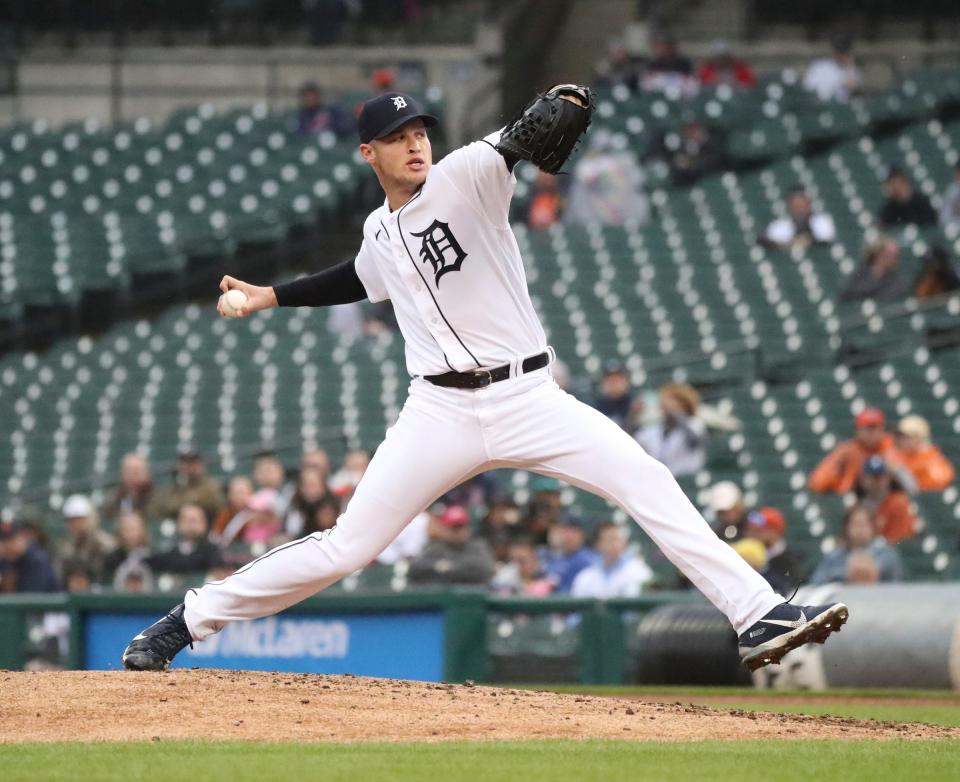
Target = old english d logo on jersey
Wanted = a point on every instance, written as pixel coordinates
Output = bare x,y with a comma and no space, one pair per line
441,248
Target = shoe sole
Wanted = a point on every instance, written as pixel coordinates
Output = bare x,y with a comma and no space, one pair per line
815,631
137,661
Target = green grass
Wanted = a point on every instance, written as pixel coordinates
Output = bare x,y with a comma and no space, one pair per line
678,690
555,761
888,705
936,715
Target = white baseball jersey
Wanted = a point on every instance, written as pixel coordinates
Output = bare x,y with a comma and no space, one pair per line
450,264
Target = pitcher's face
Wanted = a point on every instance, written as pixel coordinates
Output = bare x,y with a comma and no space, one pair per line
403,157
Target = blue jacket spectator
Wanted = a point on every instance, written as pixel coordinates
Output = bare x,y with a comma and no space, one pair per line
316,116
24,566
566,555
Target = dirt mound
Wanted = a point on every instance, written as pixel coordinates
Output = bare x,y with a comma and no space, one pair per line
204,704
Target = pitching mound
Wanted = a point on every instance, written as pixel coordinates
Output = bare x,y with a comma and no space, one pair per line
204,704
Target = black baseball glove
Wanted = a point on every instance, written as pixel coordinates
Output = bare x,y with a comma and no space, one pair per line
548,129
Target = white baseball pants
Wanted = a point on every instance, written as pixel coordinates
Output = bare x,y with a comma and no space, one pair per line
444,436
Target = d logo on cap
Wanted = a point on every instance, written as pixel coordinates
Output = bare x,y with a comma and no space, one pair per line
383,114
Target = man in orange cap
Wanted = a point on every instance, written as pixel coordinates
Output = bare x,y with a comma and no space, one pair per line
839,470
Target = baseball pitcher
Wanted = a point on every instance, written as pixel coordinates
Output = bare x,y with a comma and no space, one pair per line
440,248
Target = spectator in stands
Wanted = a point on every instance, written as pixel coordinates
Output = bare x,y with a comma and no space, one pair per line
239,492
33,522
77,577
931,469
668,70
618,572
950,207
724,68
615,399
879,276
24,566
383,80
258,524
315,115
133,576
566,553
345,480
904,205
133,545
620,67
523,574
729,510
783,567
834,78
607,186
839,470
500,527
310,493
474,492
546,506
881,491
324,516
861,556
269,473
547,204
455,557
938,275
135,489
754,553
192,552
84,544
191,485
318,459
679,439
801,226
691,152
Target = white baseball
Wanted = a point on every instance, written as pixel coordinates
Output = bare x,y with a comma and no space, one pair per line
232,301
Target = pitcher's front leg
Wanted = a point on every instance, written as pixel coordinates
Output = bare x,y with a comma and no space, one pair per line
569,440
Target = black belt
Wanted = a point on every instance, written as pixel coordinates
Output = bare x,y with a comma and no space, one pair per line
481,378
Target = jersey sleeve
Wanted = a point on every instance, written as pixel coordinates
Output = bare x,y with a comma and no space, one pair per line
482,176
369,274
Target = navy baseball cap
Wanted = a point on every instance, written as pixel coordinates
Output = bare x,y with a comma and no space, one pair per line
382,115
875,465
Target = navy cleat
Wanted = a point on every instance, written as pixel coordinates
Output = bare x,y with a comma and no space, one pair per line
155,647
786,627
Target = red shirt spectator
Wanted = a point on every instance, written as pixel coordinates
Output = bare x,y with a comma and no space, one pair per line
547,204
739,74
724,68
